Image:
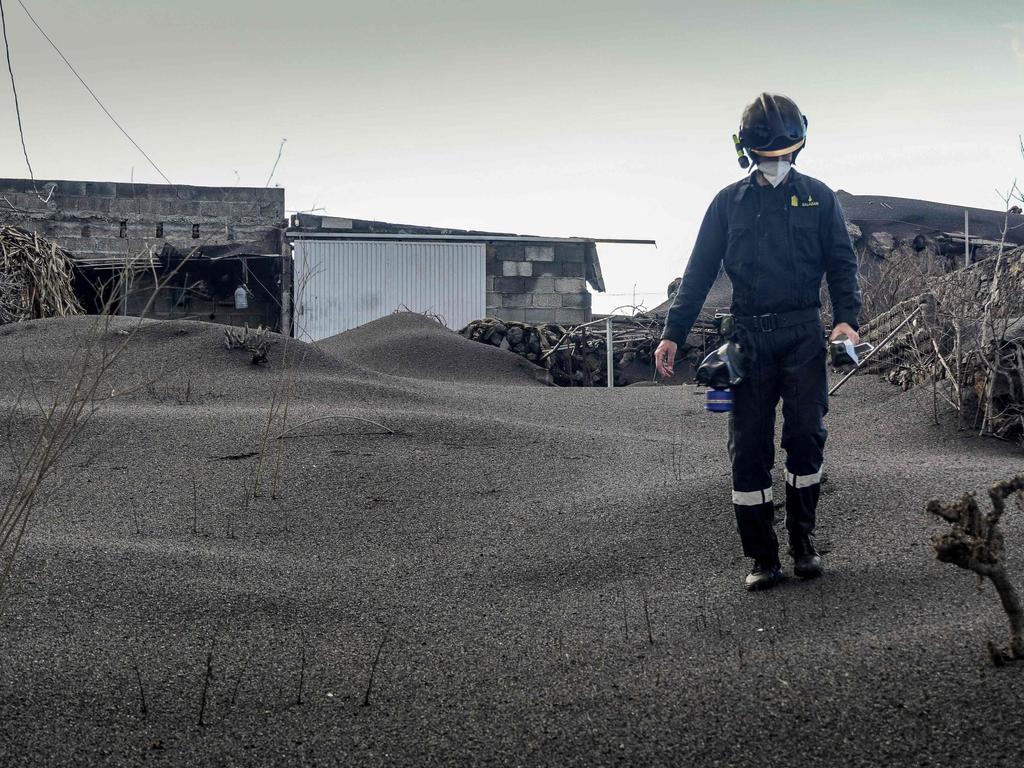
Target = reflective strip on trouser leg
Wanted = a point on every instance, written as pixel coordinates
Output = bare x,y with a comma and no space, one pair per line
750,498
802,493
803,481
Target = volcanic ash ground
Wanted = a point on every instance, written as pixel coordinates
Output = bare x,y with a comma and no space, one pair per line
433,558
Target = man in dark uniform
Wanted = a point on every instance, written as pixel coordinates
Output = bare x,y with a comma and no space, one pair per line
777,232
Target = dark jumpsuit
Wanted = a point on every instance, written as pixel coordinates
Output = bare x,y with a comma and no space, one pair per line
776,244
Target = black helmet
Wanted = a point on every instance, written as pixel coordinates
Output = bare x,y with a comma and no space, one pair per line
772,126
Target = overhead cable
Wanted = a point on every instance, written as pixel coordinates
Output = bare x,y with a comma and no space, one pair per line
91,93
14,88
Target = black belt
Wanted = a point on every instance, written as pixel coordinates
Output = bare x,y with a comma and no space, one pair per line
770,322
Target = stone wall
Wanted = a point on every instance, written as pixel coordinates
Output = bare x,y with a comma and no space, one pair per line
538,283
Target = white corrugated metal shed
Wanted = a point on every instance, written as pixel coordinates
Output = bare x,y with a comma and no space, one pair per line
342,284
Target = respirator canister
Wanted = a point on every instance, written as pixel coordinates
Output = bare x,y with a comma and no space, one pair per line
721,370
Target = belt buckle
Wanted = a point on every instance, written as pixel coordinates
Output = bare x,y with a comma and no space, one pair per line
767,323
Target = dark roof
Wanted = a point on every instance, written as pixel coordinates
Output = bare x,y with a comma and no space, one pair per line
902,216
306,222
719,299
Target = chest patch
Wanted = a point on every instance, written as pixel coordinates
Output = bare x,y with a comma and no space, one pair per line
796,202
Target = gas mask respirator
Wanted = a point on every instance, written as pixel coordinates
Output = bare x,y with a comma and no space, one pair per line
719,372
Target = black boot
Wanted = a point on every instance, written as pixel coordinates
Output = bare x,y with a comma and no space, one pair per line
763,576
806,560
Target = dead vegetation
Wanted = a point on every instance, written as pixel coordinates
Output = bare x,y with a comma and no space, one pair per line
966,342
256,342
975,542
62,407
35,278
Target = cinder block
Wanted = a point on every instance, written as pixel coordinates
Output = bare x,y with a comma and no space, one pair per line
570,252
214,209
129,190
185,193
546,269
30,201
540,315
274,213
540,253
100,188
70,188
548,300
120,245
577,300
118,207
494,300
516,268
542,284
570,285
183,208
510,251
570,316
271,195
246,211
509,284
236,194
100,205
505,313
573,269
517,300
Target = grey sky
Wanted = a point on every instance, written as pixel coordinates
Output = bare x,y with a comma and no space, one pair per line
589,118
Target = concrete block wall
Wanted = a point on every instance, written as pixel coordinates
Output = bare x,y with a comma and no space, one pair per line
85,217
538,283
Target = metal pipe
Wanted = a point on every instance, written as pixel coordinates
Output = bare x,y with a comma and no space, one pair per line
608,343
871,354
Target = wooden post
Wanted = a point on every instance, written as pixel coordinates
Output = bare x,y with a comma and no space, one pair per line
608,343
967,239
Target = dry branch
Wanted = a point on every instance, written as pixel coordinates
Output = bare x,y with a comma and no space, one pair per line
326,418
975,542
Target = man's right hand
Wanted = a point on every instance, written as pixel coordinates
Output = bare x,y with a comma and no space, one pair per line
665,358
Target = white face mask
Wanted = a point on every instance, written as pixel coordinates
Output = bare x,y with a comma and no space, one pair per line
774,171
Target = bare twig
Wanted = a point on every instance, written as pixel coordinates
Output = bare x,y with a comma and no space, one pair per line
373,667
206,683
325,418
647,610
143,709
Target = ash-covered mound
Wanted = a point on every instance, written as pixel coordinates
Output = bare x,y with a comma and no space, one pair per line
414,346
180,360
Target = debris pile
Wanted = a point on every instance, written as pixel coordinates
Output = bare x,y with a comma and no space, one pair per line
35,278
967,334
578,356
